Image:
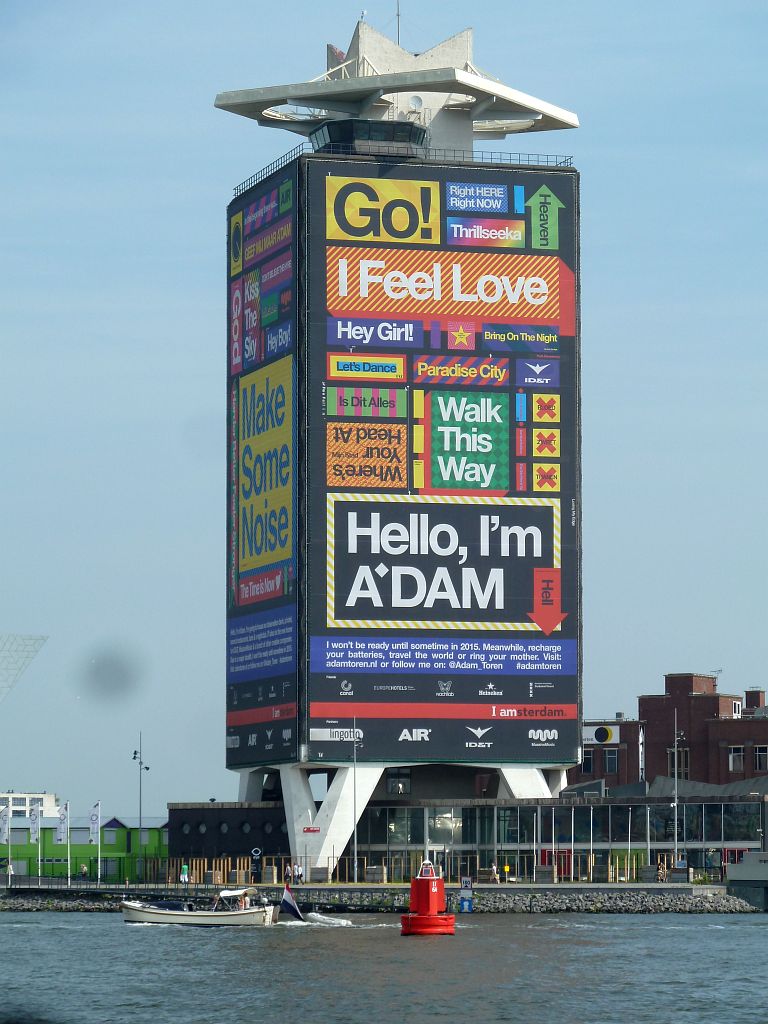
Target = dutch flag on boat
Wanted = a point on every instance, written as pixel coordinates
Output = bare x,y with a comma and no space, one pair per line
288,904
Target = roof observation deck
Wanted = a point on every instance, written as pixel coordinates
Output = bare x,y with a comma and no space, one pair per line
440,90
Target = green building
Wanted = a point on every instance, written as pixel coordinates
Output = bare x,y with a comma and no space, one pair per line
127,852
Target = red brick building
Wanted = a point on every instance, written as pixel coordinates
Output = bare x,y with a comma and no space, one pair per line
722,738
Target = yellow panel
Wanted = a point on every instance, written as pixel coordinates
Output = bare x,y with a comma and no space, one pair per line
265,466
390,210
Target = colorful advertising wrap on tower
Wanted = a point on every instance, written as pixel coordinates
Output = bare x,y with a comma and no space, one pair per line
442,361
262,472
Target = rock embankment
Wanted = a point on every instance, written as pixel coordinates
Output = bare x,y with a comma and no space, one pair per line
616,902
101,903
388,900
550,901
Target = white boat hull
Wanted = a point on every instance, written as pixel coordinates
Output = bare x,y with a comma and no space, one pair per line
135,912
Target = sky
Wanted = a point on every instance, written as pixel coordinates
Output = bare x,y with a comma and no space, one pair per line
115,173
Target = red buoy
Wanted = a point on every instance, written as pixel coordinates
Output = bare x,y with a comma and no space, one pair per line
427,915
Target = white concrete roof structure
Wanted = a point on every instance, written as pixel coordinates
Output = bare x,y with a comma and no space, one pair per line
377,79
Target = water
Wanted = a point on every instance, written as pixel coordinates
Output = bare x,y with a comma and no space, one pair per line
567,969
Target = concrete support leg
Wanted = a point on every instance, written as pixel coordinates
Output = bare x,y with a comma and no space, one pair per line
522,783
299,805
334,819
557,780
251,786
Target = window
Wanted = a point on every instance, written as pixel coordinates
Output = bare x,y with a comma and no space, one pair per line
508,825
485,824
19,801
144,837
18,814
3,801
109,836
36,801
761,759
164,837
398,781
611,761
444,826
693,820
19,837
683,762
713,823
79,836
622,823
735,759
587,763
737,709
741,821
397,825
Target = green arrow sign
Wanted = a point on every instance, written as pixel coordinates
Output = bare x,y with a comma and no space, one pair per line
545,219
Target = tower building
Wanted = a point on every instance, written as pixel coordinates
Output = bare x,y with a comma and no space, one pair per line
403,495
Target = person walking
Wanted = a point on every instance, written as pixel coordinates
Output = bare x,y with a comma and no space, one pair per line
288,877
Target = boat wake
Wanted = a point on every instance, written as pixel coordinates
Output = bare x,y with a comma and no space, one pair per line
328,922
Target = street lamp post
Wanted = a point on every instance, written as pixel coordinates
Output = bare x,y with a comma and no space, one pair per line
678,736
137,756
760,826
354,799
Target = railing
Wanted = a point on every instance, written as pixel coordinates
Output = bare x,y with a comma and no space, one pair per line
616,871
265,172
395,151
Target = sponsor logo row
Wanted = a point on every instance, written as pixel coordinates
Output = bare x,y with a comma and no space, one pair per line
265,740
249,695
445,688
479,738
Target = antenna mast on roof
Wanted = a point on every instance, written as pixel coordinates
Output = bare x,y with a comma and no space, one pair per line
398,22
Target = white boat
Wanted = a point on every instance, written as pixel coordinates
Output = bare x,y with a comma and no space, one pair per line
230,907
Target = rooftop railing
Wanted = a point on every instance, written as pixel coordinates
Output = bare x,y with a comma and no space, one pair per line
395,151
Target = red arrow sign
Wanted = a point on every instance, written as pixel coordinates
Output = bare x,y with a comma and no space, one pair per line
547,613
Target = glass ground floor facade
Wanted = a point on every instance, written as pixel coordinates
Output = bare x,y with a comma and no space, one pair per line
598,841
